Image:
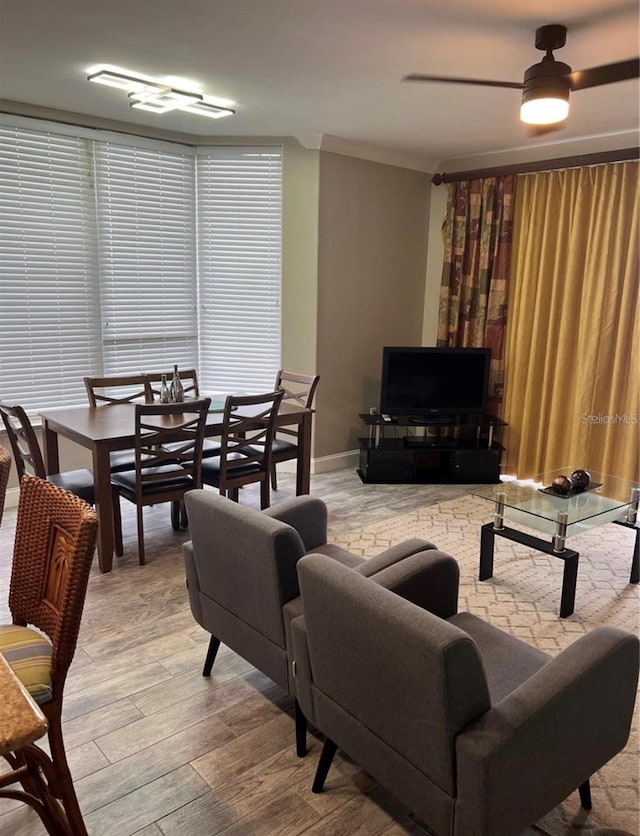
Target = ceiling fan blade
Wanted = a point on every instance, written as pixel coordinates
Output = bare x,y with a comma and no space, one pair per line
452,80
606,74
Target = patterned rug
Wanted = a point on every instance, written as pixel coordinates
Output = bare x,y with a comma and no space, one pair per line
523,598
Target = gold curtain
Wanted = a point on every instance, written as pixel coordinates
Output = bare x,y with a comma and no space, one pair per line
572,391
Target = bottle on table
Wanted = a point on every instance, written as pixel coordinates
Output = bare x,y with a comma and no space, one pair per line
177,391
165,393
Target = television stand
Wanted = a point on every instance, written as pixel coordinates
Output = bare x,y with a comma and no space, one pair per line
459,449
432,420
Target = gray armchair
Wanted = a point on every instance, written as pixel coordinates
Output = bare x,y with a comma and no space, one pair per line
242,581
476,732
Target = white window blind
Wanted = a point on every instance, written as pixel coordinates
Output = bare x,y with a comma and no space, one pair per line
99,262
146,255
49,315
239,200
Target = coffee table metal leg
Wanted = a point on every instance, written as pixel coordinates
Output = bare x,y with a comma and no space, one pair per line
569,578
487,542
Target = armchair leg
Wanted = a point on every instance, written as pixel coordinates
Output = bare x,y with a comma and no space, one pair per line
214,644
324,764
274,478
585,795
301,731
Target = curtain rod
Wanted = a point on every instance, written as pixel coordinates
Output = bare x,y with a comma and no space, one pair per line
540,165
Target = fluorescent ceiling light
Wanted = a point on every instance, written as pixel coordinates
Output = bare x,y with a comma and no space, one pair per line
156,97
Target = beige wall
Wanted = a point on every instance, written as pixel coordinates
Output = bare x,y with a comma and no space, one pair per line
371,267
300,170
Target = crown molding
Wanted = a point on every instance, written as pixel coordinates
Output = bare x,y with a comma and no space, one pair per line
527,154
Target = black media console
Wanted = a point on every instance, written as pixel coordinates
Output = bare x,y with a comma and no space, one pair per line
460,448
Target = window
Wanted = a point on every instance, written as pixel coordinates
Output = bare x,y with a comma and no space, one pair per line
239,257
146,258
128,256
49,309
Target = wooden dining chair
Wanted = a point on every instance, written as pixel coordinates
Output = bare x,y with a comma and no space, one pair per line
115,389
28,456
119,389
248,427
5,468
54,544
299,390
168,459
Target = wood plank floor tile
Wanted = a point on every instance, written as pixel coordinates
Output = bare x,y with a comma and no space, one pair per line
134,680
144,731
123,777
94,724
144,806
233,759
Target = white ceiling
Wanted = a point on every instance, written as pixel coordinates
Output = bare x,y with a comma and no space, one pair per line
332,68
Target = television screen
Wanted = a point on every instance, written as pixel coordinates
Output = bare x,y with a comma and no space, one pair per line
430,382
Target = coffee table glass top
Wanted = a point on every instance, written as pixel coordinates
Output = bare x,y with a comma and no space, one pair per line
526,503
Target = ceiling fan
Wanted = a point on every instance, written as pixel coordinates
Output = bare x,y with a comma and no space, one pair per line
548,84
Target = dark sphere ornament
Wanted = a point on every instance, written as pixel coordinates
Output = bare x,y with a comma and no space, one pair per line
561,485
580,480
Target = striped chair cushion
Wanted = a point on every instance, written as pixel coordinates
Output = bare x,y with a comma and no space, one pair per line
28,653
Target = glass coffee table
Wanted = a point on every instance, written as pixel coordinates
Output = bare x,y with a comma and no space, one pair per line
537,504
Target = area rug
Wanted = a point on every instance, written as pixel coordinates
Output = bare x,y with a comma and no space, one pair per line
523,597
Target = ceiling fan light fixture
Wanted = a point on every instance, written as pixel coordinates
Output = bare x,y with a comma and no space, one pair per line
544,106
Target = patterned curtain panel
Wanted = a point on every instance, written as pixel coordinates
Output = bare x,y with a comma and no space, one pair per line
477,234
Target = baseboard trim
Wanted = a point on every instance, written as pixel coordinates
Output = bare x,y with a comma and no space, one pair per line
324,464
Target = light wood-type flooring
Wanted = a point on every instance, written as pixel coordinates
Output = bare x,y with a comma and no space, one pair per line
154,747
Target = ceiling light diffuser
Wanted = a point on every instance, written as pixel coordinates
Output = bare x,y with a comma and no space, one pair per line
156,97
544,106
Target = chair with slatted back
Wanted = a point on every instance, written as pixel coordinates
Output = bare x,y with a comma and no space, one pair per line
245,448
168,457
54,545
114,389
119,389
299,390
5,467
28,456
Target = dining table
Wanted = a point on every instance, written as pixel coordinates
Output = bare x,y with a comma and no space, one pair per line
107,429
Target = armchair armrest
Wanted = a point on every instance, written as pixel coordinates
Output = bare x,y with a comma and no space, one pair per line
302,668
392,555
307,514
429,579
556,729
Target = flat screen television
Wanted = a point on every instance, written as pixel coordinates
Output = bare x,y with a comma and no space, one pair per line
433,383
